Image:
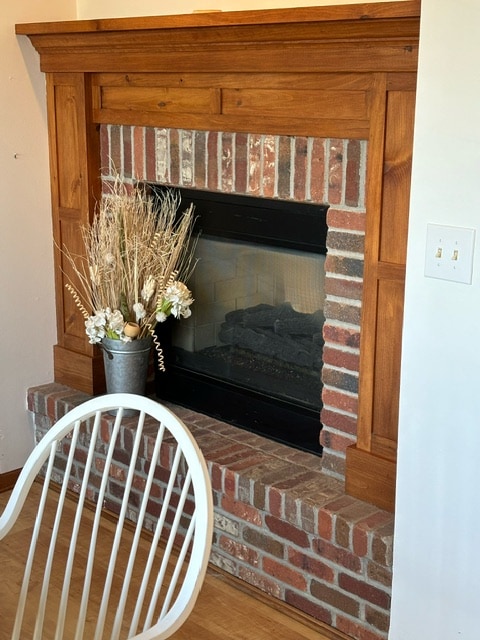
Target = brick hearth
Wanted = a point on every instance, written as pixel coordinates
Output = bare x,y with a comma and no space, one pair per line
281,523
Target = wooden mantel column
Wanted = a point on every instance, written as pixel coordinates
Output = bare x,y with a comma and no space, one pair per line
75,188
345,71
371,463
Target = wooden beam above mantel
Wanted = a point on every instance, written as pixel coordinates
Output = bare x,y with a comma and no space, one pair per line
345,71
368,11
319,38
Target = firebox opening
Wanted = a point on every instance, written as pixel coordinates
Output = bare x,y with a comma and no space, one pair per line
251,353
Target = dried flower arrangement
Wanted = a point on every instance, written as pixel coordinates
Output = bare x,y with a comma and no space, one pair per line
138,257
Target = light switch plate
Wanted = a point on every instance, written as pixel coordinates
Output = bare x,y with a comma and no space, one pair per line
449,253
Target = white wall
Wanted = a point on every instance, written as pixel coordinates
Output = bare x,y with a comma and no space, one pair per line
436,560
26,281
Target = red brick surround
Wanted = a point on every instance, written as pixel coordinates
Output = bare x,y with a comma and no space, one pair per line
328,171
281,524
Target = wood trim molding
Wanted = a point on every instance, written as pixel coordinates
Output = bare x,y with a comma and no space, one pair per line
371,475
301,15
365,38
8,480
259,72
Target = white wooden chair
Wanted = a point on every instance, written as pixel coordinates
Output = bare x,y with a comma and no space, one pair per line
149,470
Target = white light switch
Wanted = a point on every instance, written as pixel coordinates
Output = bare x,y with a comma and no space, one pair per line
449,253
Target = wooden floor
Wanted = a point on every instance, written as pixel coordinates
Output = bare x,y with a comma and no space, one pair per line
226,607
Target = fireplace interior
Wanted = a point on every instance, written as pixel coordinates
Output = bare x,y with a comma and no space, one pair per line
251,353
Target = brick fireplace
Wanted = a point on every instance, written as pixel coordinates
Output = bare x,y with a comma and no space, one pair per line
304,90
304,169
282,521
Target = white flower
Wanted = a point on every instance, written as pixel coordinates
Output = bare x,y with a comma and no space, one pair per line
139,310
177,300
95,326
148,289
106,323
115,321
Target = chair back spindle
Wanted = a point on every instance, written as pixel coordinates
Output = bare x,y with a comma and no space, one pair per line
137,571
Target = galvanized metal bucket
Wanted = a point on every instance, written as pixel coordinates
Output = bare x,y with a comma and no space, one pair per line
126,365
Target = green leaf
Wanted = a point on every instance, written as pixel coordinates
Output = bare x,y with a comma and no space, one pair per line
124,308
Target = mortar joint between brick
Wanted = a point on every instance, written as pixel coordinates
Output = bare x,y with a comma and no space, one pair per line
342,325
347,232
350,394
352,302
345,253
341,276
333,367
342,347
341,206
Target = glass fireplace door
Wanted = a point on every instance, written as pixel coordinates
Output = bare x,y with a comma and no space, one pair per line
251,352
257,319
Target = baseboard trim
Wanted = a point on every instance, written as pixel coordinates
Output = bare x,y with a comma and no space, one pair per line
8,479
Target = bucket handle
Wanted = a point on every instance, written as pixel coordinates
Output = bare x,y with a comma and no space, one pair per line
109,353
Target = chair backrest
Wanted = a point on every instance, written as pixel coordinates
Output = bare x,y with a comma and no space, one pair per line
150,559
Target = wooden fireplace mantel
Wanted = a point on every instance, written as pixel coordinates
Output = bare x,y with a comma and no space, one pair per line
343,71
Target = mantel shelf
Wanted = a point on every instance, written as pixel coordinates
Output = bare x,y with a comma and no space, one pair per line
402,10
360,37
